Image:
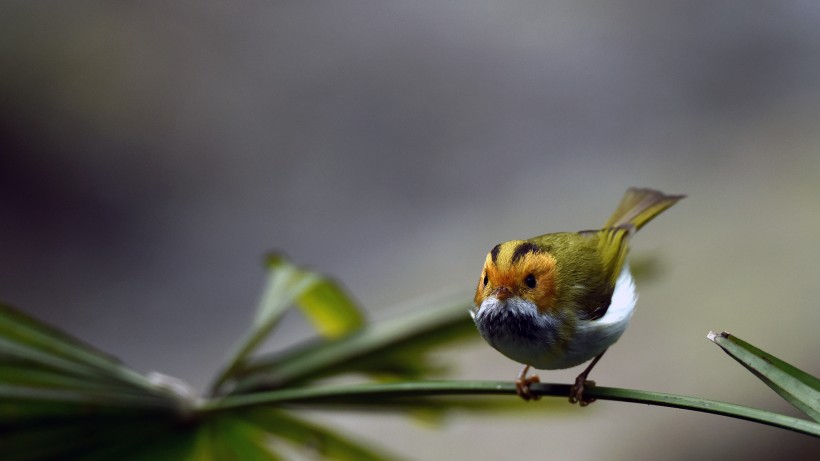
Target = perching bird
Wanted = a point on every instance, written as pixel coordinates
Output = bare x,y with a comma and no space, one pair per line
558,300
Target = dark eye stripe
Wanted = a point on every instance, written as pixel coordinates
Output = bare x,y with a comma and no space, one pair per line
494,252
523,249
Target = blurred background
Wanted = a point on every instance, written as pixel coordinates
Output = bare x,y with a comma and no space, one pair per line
151,152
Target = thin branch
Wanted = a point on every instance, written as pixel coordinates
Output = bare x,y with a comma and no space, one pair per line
374,393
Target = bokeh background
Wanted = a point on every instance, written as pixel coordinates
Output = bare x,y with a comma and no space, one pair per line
151,152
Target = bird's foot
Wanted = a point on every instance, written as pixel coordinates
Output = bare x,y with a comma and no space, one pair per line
576,393
522,387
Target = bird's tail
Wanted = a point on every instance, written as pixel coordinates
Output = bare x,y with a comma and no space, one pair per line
639,206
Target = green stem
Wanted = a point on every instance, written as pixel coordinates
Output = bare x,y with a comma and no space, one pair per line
375,392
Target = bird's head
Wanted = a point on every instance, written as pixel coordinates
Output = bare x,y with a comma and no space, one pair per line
521,269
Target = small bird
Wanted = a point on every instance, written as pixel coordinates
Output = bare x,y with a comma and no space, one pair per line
558,300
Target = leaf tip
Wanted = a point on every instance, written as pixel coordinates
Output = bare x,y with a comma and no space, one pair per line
274,259
712,336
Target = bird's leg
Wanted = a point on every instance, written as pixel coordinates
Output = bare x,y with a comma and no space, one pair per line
522,384
576,393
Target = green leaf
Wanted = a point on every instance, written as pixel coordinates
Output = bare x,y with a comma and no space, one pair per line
326,443
325,304
21,382
231,438
32,374
331,311
89,399
63,399
395,349
25,339
390,393
59,395
796,386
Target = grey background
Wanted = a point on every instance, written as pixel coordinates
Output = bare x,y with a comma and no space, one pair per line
151,152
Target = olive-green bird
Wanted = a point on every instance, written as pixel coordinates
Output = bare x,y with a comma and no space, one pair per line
558,300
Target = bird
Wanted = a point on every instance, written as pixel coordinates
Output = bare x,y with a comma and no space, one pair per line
558,300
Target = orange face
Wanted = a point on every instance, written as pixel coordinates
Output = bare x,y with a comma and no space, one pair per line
518,268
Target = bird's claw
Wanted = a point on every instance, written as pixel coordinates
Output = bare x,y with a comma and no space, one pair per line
576,393
522,387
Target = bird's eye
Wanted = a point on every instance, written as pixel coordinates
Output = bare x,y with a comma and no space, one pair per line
486,279
530,281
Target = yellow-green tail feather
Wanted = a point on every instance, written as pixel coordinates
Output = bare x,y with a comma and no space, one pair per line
637,208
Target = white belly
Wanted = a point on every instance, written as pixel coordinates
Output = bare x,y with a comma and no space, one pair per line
516,329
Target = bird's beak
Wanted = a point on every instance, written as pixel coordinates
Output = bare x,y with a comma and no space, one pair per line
502,292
